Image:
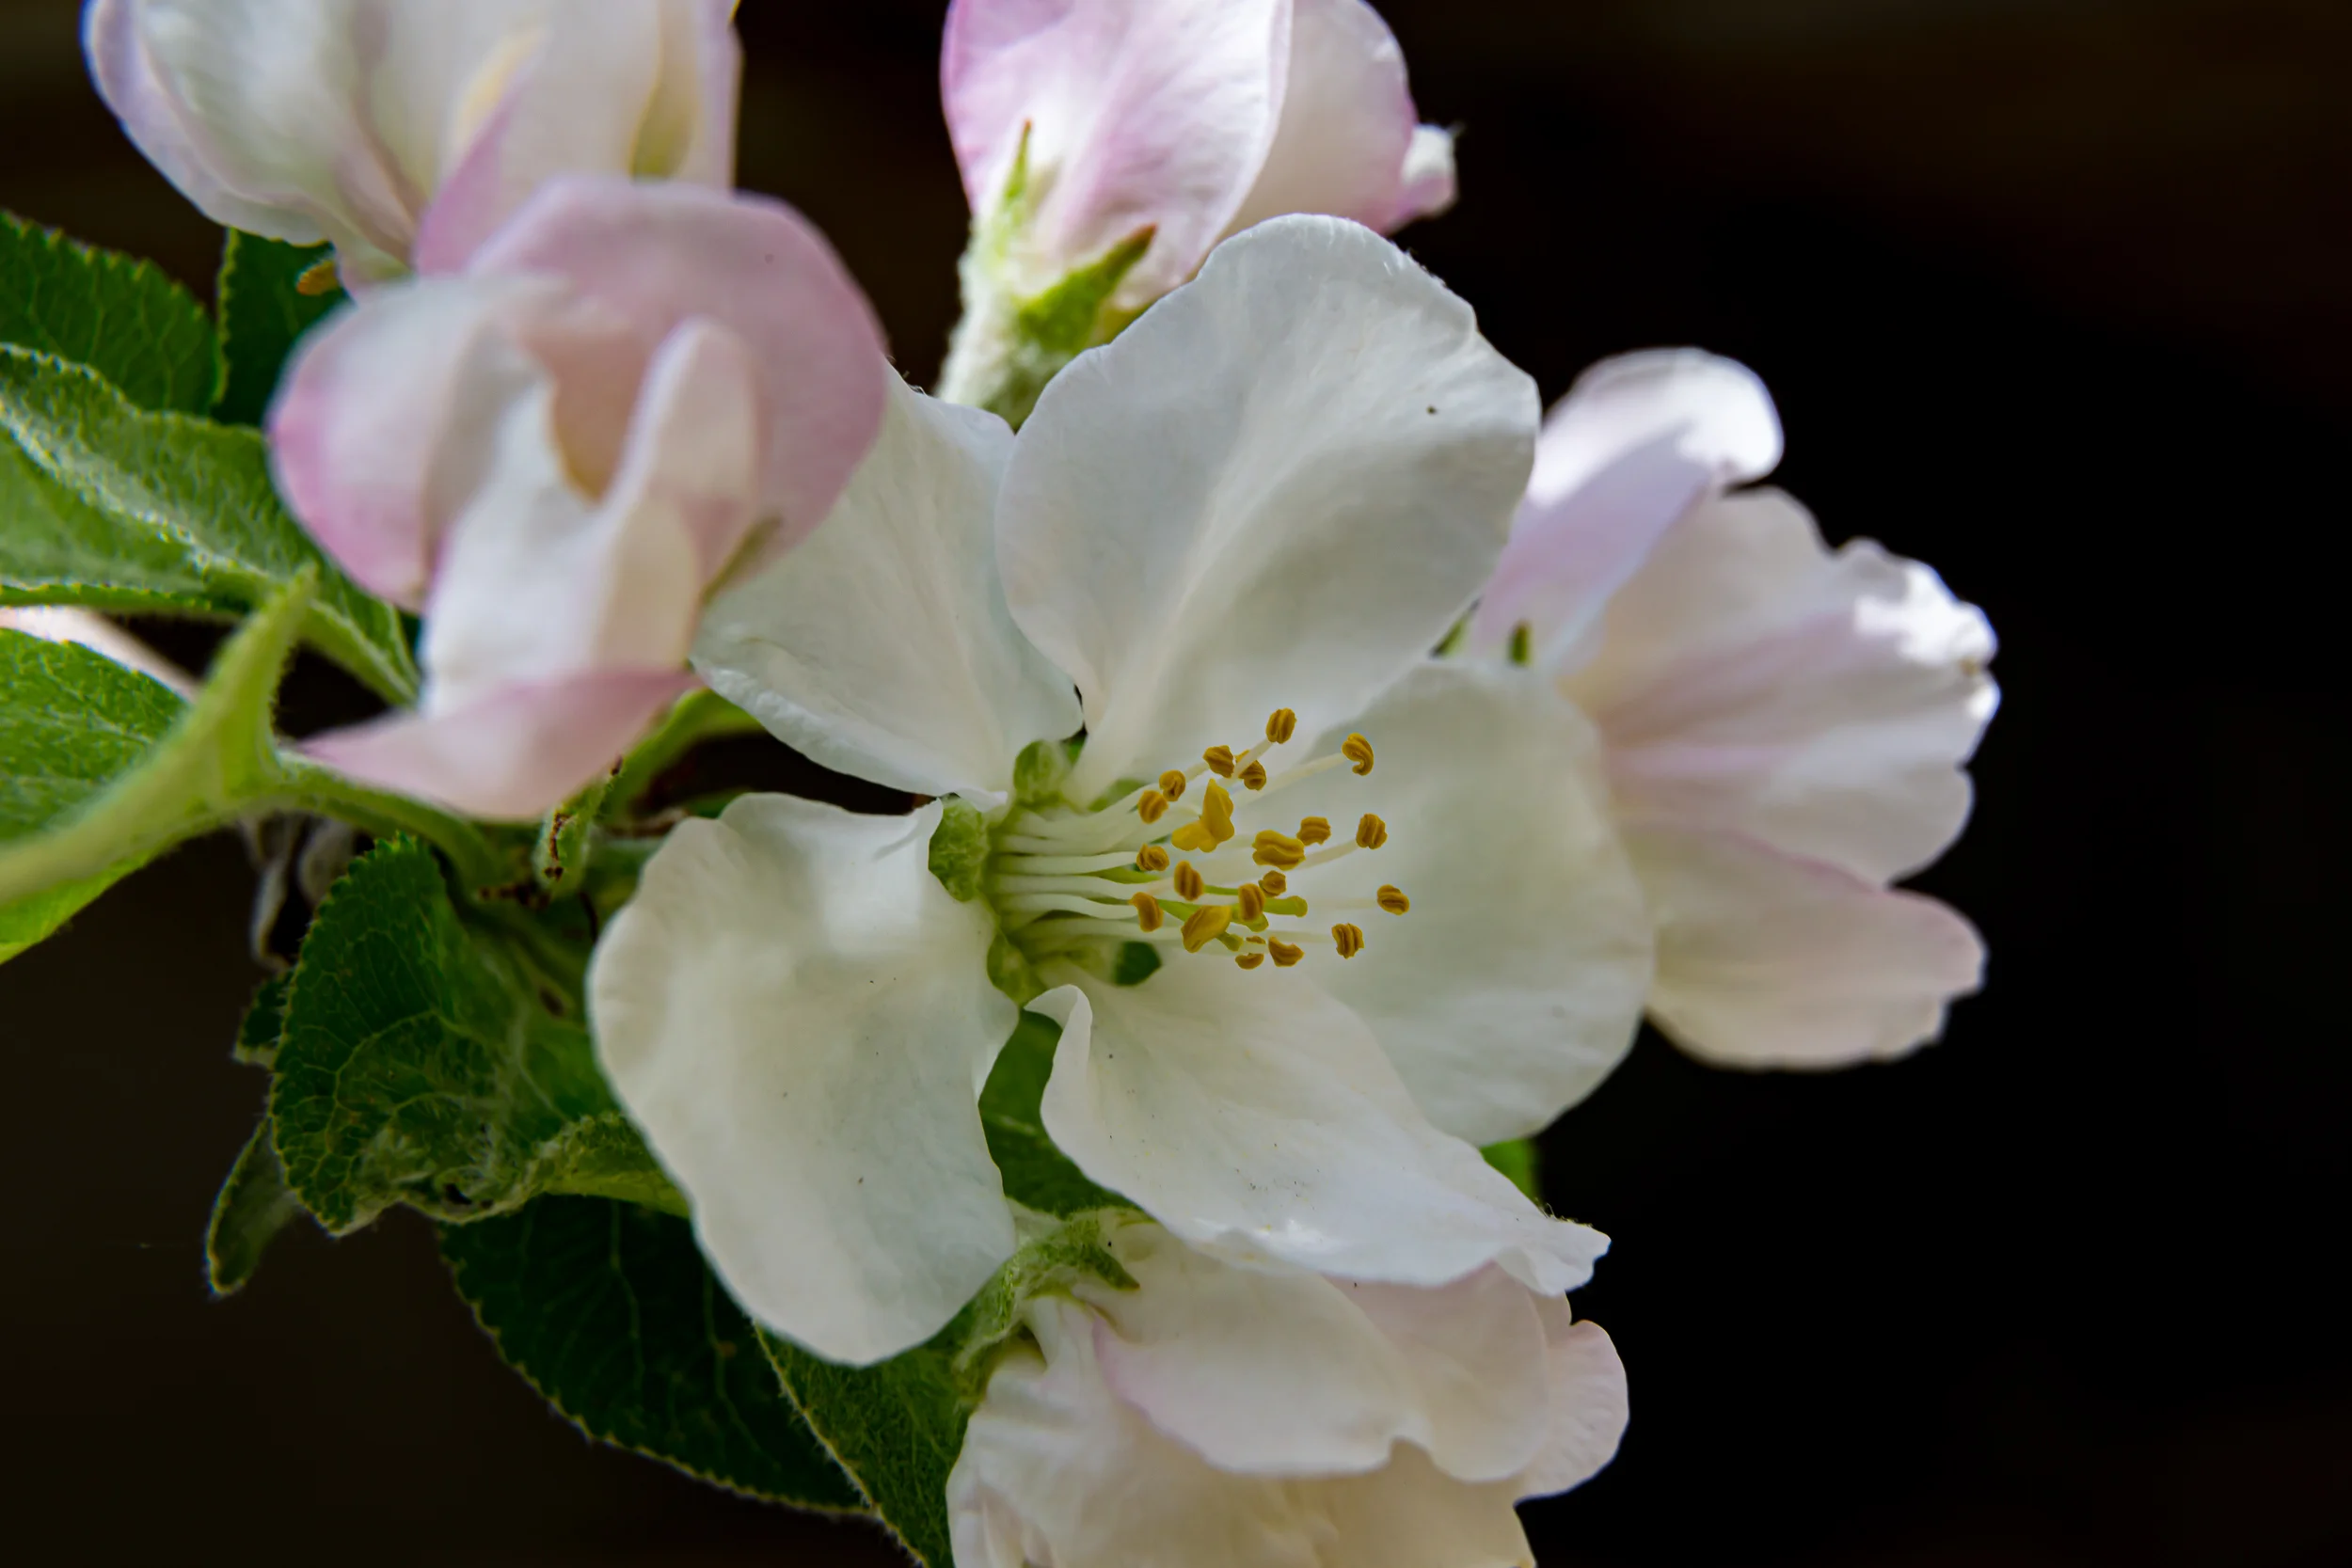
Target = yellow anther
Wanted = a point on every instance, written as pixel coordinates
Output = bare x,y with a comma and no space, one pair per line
1194,836
1187,883
1172,784
1146,911
1206,923
1250,901
1281,725
1313,830
1275,884
1371,833
1349,940
1357,749
1150,858
1279,850
1285,954
1249,961
1392,898
318,279
1253,776
1220,761
1153,806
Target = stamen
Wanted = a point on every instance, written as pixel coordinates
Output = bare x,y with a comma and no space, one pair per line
1172,784
1249,898
1249,961
1150,858
1349,940
1188,883
1220,761
1275,883
1215,826
1153,806
1284,953
1206,923
1371,833
1147,914
1392,898
1279,850
1253,776
1313,830
1357,749
1281,725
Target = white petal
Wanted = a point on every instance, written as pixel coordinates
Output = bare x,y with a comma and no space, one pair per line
1765,959
1057,1469
799,1017
1277,1371
1637,442
1589,1408
1825,703
1249,1113
1515,984
1347,120
881,646
1277,489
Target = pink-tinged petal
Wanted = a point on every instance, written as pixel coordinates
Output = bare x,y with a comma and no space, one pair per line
1282,1371
388,419
625,95
1347,121
510,753
1264,1119
1057,1468
1767,960
1637,441
1589,1408
1136,115
1751,679
1426,185
658,254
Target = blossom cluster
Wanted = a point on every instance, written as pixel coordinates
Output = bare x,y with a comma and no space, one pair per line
1319,759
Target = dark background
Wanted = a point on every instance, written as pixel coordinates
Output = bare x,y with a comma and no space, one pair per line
2054,294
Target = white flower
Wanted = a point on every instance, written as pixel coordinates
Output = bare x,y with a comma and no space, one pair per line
555,453
1194,118
1270,1418
1241,525
1786,726
404,131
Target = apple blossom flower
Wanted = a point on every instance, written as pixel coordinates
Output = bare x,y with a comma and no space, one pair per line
553,456
1223,545
1270,1417
1786,726
1109,144
405,131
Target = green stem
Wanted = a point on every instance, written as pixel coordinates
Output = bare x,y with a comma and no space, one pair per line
560,860
699,716
477,859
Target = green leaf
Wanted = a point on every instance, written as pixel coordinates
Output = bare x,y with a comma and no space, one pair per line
253,1207
898,1427
114,507
1035,1172
70,720
265,1021
262,317
119,315
438,1061
215,762
609,1312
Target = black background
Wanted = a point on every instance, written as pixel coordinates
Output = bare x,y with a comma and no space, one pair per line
2055,296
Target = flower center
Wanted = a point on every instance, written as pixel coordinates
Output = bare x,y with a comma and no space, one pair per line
1196,869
